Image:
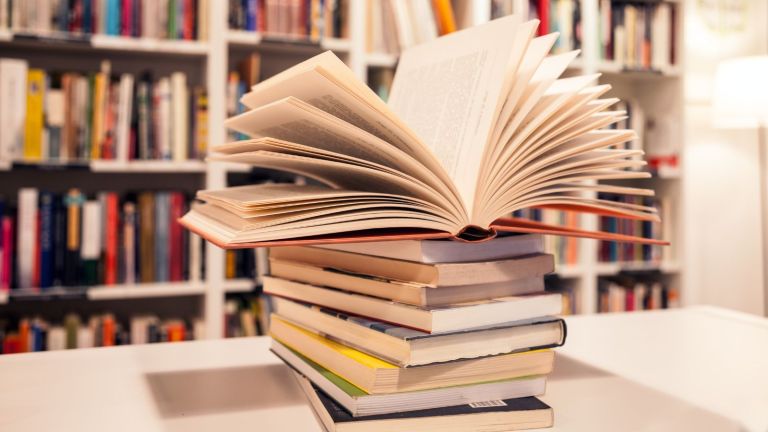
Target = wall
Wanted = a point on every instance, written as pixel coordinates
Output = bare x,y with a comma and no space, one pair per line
720,186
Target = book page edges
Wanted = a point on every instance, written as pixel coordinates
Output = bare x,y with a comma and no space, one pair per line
469,234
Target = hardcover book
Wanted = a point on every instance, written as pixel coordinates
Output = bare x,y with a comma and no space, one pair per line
478,124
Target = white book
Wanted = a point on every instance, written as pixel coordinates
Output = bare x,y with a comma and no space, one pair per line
85,337
180,116
202,19
403,19
149,19
163,105
57,338
4,17
27,236
129,243
13,94
125,109
661,27
91,246
195,257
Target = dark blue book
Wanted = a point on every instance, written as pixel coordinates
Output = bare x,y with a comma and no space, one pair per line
59,240
251,11
47,239
88,26
513,414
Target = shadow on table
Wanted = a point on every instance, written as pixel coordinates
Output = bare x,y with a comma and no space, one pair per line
212,391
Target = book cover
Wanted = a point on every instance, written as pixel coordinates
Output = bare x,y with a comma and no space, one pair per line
13,93
162,236
27,236
47,239
34,123
146,213
111,238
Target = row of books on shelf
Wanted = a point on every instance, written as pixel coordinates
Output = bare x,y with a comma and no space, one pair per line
631,293
239,82
636,35
565,249
30,334
302,19
404,335
246,316
395,25
159,19
380,81
72,116
74,239
629,252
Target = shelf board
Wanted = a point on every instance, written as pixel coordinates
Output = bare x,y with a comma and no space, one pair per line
58,40
295,44
164,46
382,60
614,68
112,166
567,271
239,285
145,290
148,166
612,268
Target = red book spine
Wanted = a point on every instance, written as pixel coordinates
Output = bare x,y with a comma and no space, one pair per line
189,19
543,17
111,239
108,331
37,269
12,344
126,18
8,242
629,302
261,16
176,238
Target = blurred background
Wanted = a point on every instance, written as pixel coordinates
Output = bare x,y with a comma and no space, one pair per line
107,108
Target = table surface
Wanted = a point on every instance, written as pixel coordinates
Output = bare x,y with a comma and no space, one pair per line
237,384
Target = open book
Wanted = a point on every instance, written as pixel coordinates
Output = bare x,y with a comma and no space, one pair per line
479,124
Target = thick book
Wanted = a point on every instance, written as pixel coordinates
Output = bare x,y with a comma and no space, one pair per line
494,415
402,292
462,316
433,275
445,251
376,376
407,347
359,403
478,124
27,237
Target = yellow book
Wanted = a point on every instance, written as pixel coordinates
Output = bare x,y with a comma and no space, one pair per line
100,100
376,376
34,124
446,22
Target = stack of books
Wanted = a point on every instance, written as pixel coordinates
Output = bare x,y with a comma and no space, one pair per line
418,333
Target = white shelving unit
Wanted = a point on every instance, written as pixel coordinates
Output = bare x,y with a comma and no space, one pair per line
219,52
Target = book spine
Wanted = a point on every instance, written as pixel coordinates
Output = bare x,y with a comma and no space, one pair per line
47,226
6,265
177,250
74,202
180,113
27,236
13,87
147,236
112,223
33,129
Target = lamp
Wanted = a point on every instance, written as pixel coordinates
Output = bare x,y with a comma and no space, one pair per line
740,100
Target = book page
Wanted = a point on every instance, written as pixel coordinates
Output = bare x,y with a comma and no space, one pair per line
449,91
293,120
325,82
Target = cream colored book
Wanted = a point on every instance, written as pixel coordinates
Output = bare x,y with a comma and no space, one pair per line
479,123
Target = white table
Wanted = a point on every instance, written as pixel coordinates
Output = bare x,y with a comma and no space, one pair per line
713,358
237,385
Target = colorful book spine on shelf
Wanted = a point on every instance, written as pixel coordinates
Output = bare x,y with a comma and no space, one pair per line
167,19
625,252
565,249
100,116
25,334
627,293
76,240
638,35
246,316
305,19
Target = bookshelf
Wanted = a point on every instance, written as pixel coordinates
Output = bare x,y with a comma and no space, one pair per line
208,62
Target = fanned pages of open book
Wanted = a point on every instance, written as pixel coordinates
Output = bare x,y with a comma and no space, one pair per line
479,124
